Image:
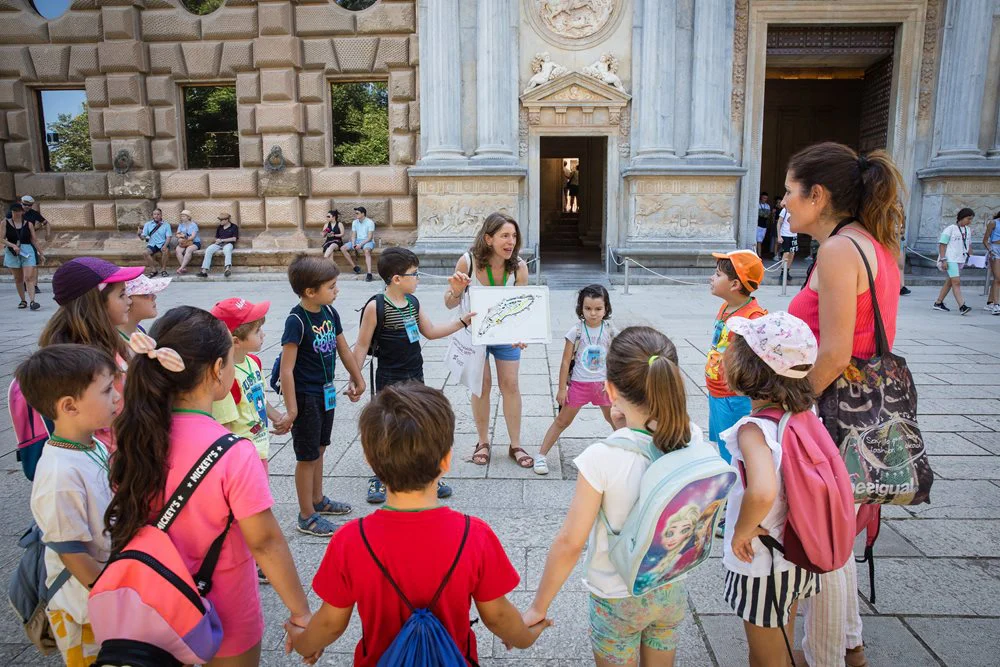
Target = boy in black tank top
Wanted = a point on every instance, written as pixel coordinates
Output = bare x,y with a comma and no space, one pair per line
391,327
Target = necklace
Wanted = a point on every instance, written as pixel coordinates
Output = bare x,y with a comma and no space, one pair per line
192,411
95,452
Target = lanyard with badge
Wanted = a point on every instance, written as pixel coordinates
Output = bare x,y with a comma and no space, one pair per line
593,354
409,319
329,391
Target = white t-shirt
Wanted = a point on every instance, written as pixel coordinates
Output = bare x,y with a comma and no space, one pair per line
774,521
68,499
786,225
591,352
364,229
958,240
615,473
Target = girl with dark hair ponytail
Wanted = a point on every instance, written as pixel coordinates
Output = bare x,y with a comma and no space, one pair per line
645,385
165,429
851,204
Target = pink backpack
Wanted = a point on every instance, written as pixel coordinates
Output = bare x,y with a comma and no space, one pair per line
820,525
29,428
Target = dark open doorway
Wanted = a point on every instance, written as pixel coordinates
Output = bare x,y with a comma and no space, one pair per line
572,198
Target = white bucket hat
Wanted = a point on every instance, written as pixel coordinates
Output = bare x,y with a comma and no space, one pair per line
782,340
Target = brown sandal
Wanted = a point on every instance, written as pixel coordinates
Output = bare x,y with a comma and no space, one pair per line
479,457
524,461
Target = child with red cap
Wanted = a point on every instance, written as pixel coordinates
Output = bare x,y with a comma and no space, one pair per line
245,411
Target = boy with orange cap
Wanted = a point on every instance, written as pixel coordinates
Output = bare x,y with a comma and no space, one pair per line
737,275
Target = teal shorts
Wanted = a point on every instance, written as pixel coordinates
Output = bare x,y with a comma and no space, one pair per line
26,258
619,625
953,268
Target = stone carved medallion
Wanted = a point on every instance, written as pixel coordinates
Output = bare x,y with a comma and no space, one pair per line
275,160
123,161
574,24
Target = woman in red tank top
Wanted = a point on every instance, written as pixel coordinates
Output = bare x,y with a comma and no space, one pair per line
837,196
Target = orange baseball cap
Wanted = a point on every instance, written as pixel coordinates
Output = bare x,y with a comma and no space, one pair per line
749,268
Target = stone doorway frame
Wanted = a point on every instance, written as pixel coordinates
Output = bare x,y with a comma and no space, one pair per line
907,16
575,105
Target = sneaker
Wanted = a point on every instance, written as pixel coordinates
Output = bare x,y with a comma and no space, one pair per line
35,305
261,577
989,307
541,466
942,307
996,310
357,269
316,525
720,530
203,274
444,491
904,291
228,272
368,278
376,491
38,289
964,310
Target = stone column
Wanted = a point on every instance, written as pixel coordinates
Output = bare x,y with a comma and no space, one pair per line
995,150
655,90
496,81
711,80
441,80
963,78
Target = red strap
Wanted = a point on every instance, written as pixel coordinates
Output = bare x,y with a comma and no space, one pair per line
236,393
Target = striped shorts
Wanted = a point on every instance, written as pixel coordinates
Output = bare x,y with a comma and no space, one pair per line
753,598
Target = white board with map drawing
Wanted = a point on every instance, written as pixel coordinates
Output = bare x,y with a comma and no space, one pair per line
505,315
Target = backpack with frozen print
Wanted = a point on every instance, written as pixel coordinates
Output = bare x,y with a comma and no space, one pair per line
669,531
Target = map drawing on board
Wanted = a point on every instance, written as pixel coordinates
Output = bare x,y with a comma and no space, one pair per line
506,315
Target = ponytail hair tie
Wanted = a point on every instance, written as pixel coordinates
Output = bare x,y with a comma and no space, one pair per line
168,358
652,359
863,163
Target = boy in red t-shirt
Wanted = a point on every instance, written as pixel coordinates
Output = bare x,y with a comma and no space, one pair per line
407,432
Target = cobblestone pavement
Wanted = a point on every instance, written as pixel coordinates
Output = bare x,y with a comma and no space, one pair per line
938,565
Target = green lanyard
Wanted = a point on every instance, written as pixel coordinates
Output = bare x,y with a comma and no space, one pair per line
765,407
409,308
98,454
489,274
641,430
725,316
189,411
390,508
586,330
122,334
249,369
322,363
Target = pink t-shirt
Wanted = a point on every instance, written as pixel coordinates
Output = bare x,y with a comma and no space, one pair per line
237,482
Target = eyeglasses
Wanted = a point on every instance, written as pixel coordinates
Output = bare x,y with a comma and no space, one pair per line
410,275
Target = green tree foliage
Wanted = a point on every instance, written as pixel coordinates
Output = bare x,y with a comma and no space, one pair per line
360,123
202,7
211,130
72,153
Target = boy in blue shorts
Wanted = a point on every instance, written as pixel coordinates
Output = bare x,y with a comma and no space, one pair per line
312,336
394,335
737,275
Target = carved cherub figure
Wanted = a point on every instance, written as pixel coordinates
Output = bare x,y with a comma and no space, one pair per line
545,70
605,69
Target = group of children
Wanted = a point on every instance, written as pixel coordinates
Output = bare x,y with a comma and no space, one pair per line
196,375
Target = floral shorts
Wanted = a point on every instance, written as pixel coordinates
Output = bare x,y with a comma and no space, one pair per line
76,642
619,625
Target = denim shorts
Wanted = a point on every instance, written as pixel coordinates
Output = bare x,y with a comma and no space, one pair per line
311,428
619,625
154,250
12,261
351,245
504,352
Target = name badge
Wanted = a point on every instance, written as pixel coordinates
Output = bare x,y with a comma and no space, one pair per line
412,331
329,396
593,357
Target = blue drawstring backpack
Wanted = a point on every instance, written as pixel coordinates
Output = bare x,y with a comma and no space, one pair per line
422,641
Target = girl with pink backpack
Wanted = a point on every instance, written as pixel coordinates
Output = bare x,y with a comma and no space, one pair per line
792,517
168,442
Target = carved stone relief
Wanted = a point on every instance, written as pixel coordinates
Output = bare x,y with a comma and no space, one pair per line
625,135
686,209
605,70
943,197
928,62
455,208
545,70
574,24
522,133
740,39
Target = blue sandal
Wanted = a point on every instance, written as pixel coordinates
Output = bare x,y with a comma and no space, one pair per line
331,507
316,525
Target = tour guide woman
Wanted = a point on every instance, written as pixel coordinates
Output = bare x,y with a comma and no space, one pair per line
493,261
836,196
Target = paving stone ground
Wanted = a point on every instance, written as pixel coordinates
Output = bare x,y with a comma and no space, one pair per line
938,565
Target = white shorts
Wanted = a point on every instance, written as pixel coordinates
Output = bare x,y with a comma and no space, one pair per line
753,600
761,233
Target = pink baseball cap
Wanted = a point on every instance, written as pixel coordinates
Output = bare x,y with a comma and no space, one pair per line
82,274
143,285
782,340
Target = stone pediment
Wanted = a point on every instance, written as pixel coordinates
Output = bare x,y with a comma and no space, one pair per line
577,90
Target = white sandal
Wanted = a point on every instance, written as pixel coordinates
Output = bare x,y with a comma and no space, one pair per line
541,466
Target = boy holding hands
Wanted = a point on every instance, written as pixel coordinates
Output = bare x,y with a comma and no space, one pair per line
73,385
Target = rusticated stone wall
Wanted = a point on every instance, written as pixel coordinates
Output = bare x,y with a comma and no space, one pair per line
133,57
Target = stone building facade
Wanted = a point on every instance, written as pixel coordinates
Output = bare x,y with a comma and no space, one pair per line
665,98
